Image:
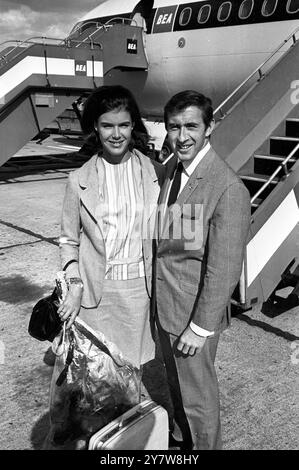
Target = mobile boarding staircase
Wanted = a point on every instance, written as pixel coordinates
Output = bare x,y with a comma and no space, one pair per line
41,77
257,132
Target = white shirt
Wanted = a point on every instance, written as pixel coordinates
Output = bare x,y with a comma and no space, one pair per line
189,168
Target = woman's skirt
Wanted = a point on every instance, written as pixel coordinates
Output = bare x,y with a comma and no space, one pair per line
123,317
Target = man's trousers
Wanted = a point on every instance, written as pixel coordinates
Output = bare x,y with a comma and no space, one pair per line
194,391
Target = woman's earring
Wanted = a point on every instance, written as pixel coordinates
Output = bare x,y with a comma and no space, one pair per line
96,134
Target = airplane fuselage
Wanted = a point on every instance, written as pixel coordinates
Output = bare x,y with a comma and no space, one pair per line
210,45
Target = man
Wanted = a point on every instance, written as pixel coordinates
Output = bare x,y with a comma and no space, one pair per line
195,275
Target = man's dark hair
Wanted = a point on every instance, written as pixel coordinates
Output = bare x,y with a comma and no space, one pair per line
109,98
185,99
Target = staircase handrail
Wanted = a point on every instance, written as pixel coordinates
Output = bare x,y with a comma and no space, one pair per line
90,36
281,165
29,42
9,41
124,20
259,70
98,26
79,28
14,46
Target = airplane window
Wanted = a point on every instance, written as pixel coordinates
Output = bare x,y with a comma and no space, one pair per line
268,8
245,9
204,14
224,11
293,6
185,16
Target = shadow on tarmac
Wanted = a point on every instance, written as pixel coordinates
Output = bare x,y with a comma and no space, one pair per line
40,431
266,327
16,289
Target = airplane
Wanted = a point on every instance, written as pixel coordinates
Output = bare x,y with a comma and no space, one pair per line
207,45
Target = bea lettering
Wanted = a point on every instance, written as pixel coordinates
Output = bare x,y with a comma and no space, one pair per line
165,19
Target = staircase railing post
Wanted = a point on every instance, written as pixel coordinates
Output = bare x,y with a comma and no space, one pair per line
285,169
92,61
91,42
46,68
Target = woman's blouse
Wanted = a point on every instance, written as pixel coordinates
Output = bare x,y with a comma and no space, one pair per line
122,205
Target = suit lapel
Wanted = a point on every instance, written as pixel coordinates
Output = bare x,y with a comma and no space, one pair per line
196,181
90,181
150,187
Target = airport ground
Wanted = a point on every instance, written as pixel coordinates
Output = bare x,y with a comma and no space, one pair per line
257,360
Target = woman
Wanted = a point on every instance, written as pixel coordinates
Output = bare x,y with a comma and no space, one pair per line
107,226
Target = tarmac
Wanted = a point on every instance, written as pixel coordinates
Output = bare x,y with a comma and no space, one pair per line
257,360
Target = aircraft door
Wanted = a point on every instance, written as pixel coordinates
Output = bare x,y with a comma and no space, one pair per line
141,14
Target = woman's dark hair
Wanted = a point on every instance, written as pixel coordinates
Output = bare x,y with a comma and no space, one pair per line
183,100
108,98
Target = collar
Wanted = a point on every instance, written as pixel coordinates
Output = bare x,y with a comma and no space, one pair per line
190,167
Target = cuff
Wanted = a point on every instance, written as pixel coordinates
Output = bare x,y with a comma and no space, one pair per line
200,331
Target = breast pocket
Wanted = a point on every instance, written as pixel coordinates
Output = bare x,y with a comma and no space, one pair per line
189,288
192,226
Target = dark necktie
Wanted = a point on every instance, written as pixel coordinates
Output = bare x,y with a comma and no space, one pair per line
176,184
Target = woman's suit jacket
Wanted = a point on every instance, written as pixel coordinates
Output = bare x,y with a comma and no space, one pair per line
81,228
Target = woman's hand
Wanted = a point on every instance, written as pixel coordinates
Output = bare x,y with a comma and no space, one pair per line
70,307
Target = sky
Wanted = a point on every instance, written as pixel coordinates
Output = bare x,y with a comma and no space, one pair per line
52,18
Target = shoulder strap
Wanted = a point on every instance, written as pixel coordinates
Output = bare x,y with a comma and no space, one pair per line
68,263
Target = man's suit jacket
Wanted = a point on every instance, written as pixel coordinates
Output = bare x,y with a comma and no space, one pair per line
81,226
194,280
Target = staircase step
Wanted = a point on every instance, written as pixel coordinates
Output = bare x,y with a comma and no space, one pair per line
292,127
280,145
267,164
255,181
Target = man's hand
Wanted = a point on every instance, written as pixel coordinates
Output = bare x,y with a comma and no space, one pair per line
189,343
70,307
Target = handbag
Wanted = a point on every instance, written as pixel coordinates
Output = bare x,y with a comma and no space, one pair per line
45,323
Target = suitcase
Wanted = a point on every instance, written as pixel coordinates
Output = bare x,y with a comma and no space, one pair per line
143,427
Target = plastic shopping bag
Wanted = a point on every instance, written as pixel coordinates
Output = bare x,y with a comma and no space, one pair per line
92,384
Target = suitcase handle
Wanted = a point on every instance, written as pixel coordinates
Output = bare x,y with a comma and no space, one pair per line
130,415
